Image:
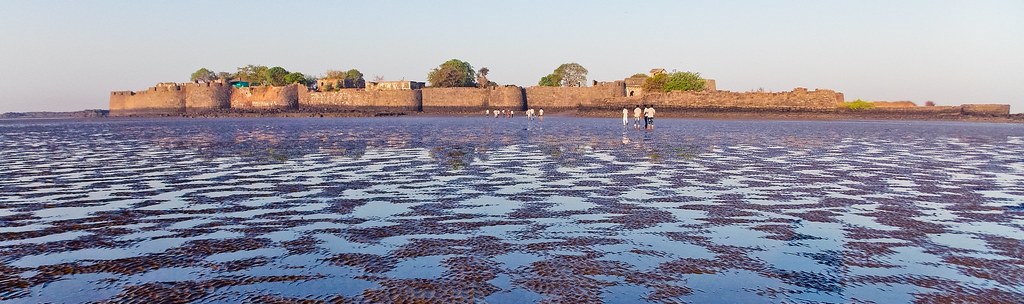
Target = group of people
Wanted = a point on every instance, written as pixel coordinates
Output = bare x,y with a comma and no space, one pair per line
509,113
647,112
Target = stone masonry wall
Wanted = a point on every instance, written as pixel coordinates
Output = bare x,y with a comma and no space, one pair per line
265,98
986,109
472,99
154,101
205,97
800,99
572,97
117,102
358,99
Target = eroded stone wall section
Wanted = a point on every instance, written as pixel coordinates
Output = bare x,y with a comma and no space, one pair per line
265,98
473,99
572,97
357,99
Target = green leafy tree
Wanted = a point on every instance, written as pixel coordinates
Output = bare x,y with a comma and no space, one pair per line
204,75
655,83
572,74
566,75
551,80
224,76
684,81
354,75
641,75
275,76
253,74
452,73
295,77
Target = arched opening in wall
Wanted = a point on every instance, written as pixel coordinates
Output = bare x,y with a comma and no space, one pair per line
631,93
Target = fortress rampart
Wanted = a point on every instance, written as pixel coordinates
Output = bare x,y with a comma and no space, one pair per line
986,109
191,98
171,99
203,97
358,99
572,97
473,99
265,98
798,99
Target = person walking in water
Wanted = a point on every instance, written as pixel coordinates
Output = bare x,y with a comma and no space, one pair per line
646,112
540,114
625,116
636,117
650,118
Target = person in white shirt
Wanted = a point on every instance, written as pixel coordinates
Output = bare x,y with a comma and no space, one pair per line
625,116
495,113
487,112
511,113
650,117
647,112
636,117
540,114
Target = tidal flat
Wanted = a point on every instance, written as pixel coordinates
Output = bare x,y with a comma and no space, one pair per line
495,210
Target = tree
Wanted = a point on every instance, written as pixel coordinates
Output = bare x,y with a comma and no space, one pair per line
295,77
551,80
566,75
684,81
354,75
641,75
225,76
572,74
481,78
655,83
275,76
452,73
253,74
204,75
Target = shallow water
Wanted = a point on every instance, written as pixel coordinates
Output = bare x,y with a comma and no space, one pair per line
506,211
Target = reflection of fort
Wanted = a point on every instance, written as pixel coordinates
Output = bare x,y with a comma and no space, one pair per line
412,96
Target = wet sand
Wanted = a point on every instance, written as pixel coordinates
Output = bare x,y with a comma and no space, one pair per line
468,210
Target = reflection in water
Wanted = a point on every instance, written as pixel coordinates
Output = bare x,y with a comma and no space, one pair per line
473,210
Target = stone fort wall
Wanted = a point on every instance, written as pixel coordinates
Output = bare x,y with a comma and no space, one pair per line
153,101
798,99
171,99
986,109
473,99
178,99
357,99
572,97
265,98
204,97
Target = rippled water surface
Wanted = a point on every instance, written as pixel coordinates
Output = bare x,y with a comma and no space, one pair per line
507,211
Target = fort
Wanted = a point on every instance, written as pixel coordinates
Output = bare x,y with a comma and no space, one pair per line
176,99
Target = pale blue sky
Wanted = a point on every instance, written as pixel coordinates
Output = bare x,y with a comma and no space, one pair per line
68,55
